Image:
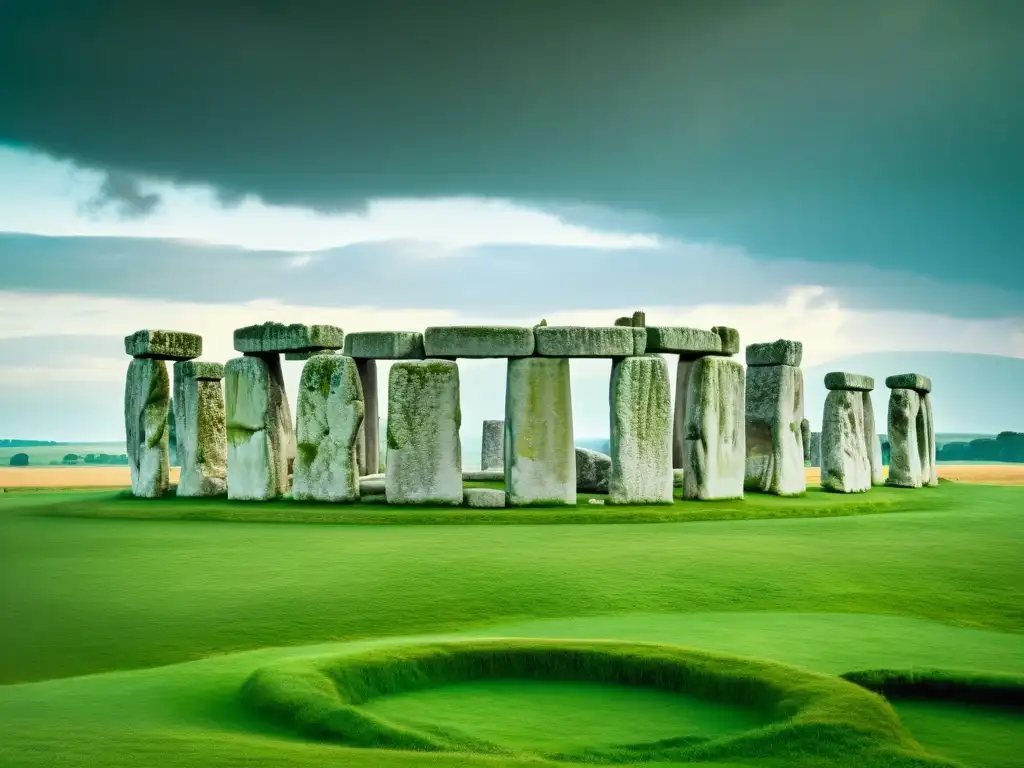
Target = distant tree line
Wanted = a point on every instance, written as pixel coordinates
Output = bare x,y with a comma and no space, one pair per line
8,443
1006,446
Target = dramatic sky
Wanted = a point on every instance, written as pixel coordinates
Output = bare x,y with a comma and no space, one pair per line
847,174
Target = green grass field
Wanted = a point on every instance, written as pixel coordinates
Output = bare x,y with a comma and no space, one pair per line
130,628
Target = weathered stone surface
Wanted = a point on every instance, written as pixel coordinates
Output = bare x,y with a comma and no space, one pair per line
201,423
372,486
478,341
385,345
927,446
815,449
913,381
260,436
484,498
368,439
904,452
329,415
424,461
693,342
845,462
874,442
779,352
483,475
714,430
805,435
540,458
582,341
164,345
304,355
146,405
492,446
641,431
593,471
851,381
278,337
730,339
775,410
683,371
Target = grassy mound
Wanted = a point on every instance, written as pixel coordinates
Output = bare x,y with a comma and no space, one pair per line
805,713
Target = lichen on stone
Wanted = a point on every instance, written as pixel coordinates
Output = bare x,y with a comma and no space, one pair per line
163,345
714,430
584,341
915,381
272,337
200,418
385,345
851,381
683,341
478,341
778,352
904,451
146,410
845,460
774,411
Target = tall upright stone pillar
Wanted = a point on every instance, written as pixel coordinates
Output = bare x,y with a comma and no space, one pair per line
847,427
368,439
912,447
492,445
805,435
641,431
874,442
775,411
200,419
147,396
715,440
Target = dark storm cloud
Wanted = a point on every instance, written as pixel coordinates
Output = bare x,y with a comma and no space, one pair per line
120,193
882,131
490,281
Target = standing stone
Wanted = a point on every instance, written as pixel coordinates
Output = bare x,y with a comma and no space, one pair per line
926,442
424,462
845,462
641,431
683,371
260,437
146,407
715,441
368,439
805,435
774,413
329,416
593,471
874,442
200,420
492,448
904,453
540,458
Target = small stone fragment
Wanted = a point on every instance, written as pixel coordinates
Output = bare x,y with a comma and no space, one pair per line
641,431
779,352
845,462
329,415
580,341
593,471
146,407
164,345
714,430
372,486
850,381
492,449
774,439
484,498
424,461
913,381
201,421
385,345
478,341
277,337
904,451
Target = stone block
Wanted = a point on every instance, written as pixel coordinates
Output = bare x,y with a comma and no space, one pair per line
329,415
478,341
484,498
368,439
372,486
805,434
492,446
201,423
926,442
904,449
715,442
690,342
277,337
299,357
779,352
851,381
385,345
199,369
874,442
424,461
540,458
677,478
580,341
147,401
164,345
483,475
730,339
774,414
641,431
914,381
593,471
845,460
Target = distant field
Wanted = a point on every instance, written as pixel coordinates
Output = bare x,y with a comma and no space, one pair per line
44,454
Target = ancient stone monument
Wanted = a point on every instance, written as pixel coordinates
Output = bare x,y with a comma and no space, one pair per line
147,395
849,442
774,415
201,428
911,432
329,416
715,440
492,446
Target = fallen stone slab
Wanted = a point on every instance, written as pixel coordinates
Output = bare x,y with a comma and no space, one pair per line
845,461
492,446
374,486
641,431
593,471
593,341
483,475
277,337
147,400
201,424
904,451
385,345
774,438
329,415
694,342
164,345
484,498
540,458
478,341
850,381
715,441
424,461
914,381
779,352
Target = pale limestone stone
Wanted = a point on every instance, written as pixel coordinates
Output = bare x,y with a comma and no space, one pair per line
692,342
915,381
540,458
715,442
271,337
146,408
774,440
260,436
385,345
201,424
778,352
328,417
641,431
853,381
368,439
581,341
904,450
845,462
593,471
164,345
424,461
874,442
483,475
484,498
492,446
478,341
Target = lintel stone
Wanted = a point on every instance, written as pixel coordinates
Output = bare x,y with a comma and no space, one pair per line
478,341
594,341
199,369
851,381
164,345
271,337
720,340
306,354
913,381
778,352
385,345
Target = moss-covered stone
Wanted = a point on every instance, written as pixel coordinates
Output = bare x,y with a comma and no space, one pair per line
778,352
201,422
199,369
730,339
774,413
714,430
478,341
874,442
424,461
581,341
164,345
146,407
277,337
845,461
904,450
385,345
693,342
593,471
914,381
851,381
